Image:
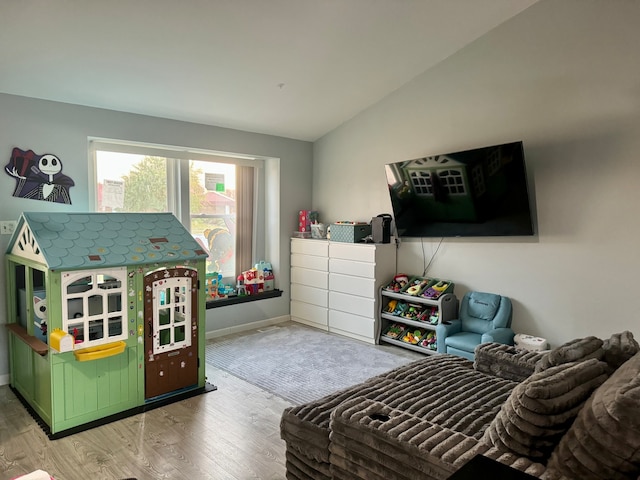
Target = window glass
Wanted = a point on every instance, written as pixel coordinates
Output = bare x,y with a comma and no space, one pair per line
114,302
213,212
115,326
205,202
96,329
95,305
82,284
179,334
164,316
131,183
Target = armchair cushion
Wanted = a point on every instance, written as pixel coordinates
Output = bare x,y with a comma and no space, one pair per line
466,341
480,312
483,305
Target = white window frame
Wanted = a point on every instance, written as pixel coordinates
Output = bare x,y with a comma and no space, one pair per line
178,301
494,161
421,182
477,180
178,177
95,288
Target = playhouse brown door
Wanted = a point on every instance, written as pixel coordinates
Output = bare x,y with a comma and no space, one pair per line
171,330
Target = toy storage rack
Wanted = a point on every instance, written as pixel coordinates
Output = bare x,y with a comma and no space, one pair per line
447,305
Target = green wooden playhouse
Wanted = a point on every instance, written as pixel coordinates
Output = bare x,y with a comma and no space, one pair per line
105,315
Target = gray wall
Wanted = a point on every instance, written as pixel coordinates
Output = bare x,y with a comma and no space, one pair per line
563,76
62,129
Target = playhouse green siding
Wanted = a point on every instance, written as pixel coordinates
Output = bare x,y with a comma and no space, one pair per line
62,390
31,376
87,391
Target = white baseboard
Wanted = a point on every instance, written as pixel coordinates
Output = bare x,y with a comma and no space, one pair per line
5,379
223,332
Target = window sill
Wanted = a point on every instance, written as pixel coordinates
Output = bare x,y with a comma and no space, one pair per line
223,302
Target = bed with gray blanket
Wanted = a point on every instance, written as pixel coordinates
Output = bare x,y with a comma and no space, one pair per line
569,413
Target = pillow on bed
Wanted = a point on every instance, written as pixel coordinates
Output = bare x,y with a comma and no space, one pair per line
604,441
573,351
619,348
540,410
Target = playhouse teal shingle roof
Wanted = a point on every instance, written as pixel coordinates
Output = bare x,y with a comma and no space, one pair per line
83,240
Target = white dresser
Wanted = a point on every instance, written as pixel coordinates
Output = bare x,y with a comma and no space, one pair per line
335,286
310,282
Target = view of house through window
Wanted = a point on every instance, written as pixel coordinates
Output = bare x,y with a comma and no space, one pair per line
213,212
131,183
138,182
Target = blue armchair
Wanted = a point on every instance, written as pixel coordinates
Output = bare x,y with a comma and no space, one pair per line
484,317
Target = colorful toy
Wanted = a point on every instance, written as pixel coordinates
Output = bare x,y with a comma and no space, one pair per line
401,307
212,280
40,323
254,281
267,273
225,290
434,291
416,285
413,311
391,306
269,280
429,315
429,341
395,330
398,283
305,219
413,337
240,289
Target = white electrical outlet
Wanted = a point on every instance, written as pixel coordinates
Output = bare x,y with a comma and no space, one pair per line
7,227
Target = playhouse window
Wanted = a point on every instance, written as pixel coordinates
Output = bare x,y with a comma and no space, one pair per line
32,310
494,162
172,313
452,181
477,180
92,306
421,182
214,195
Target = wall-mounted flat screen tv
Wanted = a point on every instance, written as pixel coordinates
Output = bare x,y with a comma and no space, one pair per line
472,193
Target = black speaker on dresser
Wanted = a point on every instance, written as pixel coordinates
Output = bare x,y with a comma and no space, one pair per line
381,228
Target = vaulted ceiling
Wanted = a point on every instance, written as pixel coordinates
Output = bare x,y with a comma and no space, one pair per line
291,68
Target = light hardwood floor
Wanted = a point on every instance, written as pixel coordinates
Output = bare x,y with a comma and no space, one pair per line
229,434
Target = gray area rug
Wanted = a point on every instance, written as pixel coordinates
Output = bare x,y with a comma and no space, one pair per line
300,363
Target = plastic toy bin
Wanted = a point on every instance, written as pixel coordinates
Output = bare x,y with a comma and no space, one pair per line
417,285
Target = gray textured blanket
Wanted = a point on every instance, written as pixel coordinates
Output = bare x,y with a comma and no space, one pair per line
443,389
